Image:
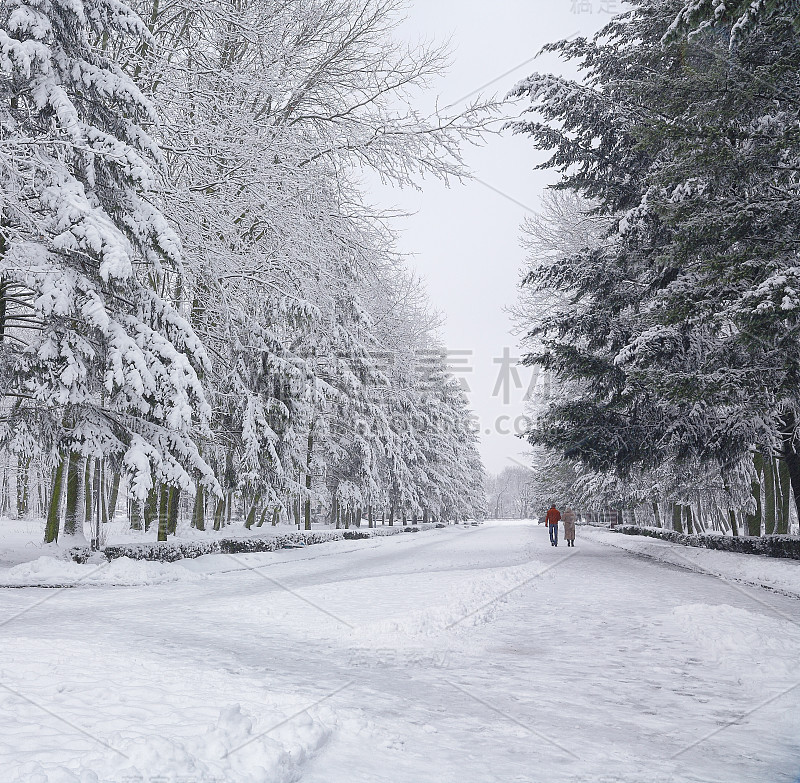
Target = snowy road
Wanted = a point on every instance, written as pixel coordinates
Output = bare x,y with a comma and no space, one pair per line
463,655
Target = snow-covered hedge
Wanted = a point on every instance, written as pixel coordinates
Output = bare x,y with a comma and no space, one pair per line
771,546
169,551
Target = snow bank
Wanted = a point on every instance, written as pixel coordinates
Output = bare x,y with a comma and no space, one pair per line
772,573
423,635
52,572
170,551
129,718
769,546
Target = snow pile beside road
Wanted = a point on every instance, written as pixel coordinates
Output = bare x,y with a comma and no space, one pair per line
130,718
52,572
773,573
472,601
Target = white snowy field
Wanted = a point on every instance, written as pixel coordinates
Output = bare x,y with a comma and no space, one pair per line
461,655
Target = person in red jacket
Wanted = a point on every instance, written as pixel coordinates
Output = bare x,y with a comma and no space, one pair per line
551,520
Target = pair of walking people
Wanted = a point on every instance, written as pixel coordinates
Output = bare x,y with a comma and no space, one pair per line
554,517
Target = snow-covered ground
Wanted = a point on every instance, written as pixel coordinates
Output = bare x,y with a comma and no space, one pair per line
461,655
756,570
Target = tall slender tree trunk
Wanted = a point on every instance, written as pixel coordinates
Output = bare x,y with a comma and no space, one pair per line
136,509
784,485
309,466
88,505
51,529
754,519
104,494
73,513
95,516
114,495
656,515
199,511
769,497
151,509
174,508
219,513
689,519
791,456
677,515
251,516
163,512
734,522
23,469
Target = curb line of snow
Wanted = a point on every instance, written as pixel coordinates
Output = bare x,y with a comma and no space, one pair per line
184,551
784,547
689,566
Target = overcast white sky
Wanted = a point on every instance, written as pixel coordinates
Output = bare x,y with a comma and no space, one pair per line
465,240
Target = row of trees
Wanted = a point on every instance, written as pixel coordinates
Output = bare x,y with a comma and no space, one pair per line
510,494
664,286
195,298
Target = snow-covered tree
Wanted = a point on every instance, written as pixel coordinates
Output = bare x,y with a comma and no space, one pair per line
680,328
96,361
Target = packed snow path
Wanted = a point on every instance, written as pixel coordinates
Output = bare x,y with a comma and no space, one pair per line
465,655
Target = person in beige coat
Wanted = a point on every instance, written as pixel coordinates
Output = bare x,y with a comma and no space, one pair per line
569,526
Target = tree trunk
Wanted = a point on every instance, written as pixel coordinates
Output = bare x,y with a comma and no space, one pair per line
734,522
199,511
114,496
263,518
370,517
656,515
174,507
73,513
754,520
103,496
136,510
151,509
51,529
97,487
309,466
163,513
251,516
791,457
784,495
88,504
769,496
677,514
219,513
23,467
